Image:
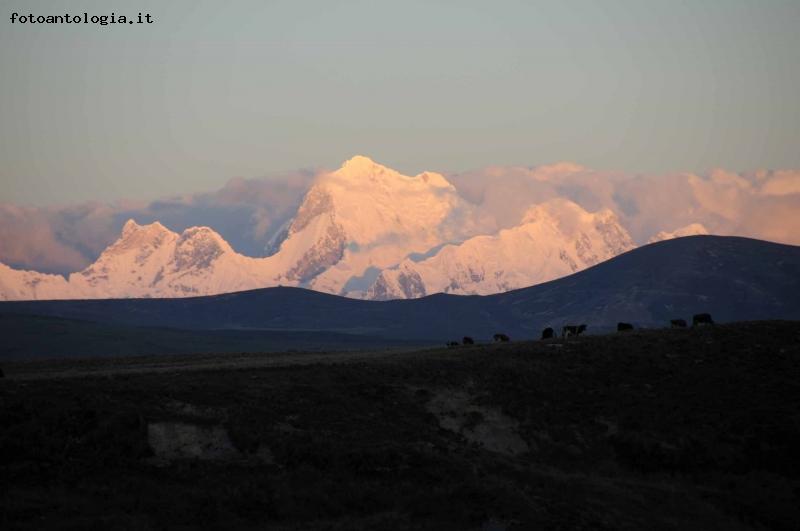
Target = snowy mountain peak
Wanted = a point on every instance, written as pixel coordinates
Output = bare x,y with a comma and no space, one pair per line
375,204
361,167
16,284
365,216
364,170
153,261
131,227
138,237
693,229
434,179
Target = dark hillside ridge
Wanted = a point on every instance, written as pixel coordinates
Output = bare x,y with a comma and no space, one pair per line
733,278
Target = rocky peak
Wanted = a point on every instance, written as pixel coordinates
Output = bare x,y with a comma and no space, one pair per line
317,201
199,247
135,236
131,227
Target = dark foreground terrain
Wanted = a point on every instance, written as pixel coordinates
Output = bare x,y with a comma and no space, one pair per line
665,429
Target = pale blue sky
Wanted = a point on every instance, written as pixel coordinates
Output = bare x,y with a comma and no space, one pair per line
214,90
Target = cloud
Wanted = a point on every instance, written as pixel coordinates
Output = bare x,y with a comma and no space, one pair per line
779,183
29,240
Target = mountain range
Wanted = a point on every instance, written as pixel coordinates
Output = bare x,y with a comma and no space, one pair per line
732,278
362,231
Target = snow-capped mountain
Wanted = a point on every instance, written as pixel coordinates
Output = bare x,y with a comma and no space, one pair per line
361,217
152,261
149,261
364,217
364,231
693,229
16,284
555,239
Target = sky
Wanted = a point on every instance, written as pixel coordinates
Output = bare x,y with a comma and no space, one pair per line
211,91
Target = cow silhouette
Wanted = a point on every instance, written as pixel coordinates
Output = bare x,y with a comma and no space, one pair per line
623,327
572,330
502,338
467,341
451,344
548,333
702,319
677,323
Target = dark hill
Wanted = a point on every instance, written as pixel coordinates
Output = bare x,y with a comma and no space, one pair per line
732,278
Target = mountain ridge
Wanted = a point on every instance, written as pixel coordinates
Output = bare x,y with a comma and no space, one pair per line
731,277
356,233
562,236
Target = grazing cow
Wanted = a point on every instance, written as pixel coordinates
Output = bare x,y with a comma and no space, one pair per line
702,319
677,323
451,344
572,330
548,333
622,327
467,341
501,338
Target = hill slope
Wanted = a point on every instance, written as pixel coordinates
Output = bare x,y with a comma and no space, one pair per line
732,278
660,430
